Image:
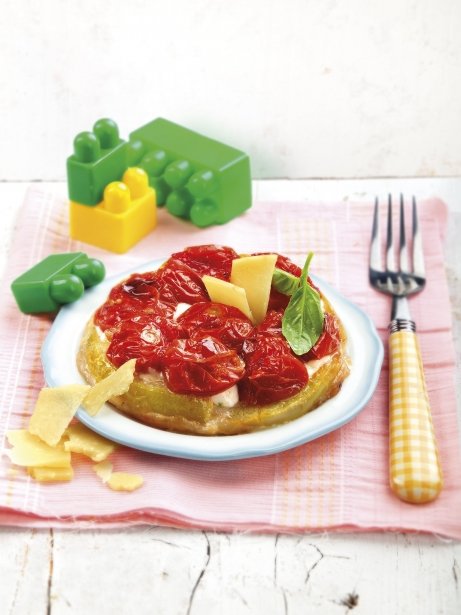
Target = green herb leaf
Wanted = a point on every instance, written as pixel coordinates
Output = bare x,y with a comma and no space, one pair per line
284,282
302,322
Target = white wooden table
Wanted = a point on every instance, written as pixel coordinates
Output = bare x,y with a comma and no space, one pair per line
167,571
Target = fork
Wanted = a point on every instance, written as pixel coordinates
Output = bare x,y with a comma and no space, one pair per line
414,467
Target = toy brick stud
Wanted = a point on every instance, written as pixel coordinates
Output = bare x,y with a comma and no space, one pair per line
202,184
106,132
154,162
177,173
56,280
86,147
203,213
117,198
137,181
91,271
162,189
66,288
179,203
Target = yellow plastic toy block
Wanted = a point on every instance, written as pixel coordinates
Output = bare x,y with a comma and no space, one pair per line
127,213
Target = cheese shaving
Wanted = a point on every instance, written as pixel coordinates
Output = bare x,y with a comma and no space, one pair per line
84,441
116,384
103,470
30,451
54,410
122,481
51,475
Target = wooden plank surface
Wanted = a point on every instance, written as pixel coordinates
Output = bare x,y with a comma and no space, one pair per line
156,570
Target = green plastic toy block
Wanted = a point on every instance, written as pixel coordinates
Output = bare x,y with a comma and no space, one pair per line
198,179
57,279
99,158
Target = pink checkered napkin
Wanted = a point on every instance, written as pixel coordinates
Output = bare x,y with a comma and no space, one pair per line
339,481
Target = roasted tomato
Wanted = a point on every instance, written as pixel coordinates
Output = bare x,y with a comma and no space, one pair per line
112,314
201,367
144,338
328,342
277,301
222,322
178,283
272,372
138,288
272,323
208,260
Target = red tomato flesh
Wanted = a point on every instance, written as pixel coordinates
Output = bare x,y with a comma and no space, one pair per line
201,367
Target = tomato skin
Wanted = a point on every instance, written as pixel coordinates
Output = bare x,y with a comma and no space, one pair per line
208,260
272,372
111,314
201,367
272,323
178,283
145,338
328,342
138,288
222,322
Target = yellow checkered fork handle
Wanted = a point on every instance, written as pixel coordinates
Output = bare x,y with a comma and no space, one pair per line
415,474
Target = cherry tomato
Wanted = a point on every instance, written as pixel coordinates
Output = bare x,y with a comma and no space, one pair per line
139,288
272,373
201,367
144,338
277,301
110,315
328,342
178,283
208,260
272,323
222,322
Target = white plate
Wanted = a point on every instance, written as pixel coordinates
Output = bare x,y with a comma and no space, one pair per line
364,347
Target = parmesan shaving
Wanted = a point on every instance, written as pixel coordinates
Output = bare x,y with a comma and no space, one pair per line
103,470
116,384
84,441
122,481
30,451
54,410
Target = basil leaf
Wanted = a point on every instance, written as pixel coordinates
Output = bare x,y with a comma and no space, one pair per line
302,322
284,282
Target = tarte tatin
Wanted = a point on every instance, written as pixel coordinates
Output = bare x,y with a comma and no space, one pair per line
204,367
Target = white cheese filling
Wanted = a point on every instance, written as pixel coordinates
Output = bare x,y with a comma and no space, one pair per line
102,336
180,309
316,364
152,376
228,398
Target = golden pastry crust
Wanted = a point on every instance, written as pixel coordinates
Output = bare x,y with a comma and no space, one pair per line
153,404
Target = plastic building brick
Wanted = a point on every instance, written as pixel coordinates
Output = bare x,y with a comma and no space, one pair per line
99,157
57,279
126,214
198,179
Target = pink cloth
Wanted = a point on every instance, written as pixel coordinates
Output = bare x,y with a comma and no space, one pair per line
339,481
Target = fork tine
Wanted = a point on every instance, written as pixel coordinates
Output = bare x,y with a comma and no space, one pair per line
418,257
375,247
390,259
404,267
